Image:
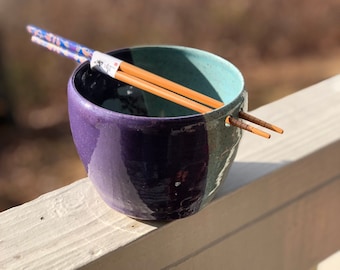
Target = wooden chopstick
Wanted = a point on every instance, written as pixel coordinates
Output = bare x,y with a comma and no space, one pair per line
161,92
259,122
235,122
170,85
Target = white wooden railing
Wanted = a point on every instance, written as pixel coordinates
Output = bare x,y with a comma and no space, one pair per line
278,209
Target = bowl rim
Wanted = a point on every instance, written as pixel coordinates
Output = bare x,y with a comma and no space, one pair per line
217,113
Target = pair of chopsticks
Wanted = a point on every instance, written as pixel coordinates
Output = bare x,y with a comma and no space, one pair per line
143,79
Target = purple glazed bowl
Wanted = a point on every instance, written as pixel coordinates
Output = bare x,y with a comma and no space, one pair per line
147,157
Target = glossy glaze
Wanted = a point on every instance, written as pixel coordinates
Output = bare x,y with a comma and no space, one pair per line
166,162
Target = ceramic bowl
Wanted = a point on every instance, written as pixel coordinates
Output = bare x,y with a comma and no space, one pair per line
147,157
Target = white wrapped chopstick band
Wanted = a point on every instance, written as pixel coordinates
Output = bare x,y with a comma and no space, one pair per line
105,63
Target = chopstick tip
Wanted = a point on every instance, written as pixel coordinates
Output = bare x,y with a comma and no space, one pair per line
237,123
29,28
277,129
259,122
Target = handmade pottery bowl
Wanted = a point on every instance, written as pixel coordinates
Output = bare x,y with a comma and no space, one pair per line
147,157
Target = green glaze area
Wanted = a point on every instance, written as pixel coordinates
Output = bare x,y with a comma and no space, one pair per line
223,144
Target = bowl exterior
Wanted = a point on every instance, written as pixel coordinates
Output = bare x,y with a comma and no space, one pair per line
154,168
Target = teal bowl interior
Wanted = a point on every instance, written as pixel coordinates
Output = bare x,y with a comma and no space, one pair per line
199,70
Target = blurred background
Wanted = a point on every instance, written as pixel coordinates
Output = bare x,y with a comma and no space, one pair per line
280,46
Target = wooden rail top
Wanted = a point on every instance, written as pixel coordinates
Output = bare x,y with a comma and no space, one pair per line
278,209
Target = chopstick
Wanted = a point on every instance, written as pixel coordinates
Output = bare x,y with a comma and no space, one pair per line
259,122
142,79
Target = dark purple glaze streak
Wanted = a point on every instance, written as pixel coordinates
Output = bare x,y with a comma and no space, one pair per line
169,181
